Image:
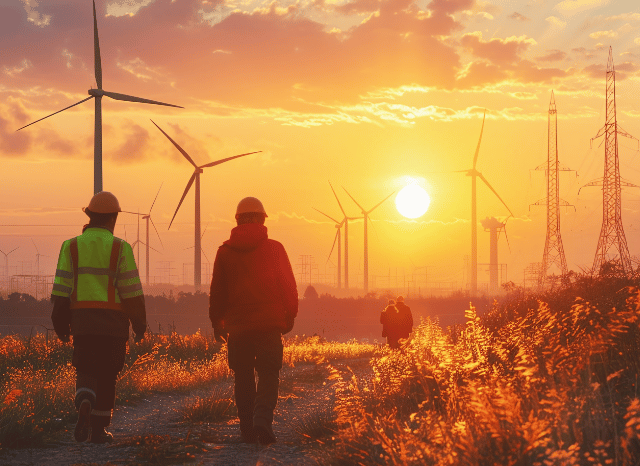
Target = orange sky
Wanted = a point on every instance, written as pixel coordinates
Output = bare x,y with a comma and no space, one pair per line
363,93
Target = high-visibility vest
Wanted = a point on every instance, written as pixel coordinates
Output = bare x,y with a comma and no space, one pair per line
96,270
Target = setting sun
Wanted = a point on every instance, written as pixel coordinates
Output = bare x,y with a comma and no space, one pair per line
412,201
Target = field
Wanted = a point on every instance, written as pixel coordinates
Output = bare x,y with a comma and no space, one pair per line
541,379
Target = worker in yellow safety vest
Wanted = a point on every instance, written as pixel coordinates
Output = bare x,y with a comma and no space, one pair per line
96,293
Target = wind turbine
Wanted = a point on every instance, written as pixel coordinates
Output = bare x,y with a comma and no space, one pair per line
6,263
98,94
474,173
148,218
196,176
366,239
346,239
338,226
38,255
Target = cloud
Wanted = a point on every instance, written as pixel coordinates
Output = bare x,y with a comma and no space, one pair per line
600,34
135,145
33,15
271,56
17,69
624,17
570,7
497,51
12,143
556,22
636,41
358,7
553,55
518,17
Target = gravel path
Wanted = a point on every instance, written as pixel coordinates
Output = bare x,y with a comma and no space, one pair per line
151,432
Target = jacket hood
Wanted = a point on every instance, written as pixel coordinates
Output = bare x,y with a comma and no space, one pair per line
247,236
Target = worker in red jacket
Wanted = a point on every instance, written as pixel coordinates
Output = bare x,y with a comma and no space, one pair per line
252,302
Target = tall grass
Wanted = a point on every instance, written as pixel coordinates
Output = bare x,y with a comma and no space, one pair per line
529,384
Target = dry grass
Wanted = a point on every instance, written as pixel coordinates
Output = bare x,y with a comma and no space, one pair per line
217,407
546,387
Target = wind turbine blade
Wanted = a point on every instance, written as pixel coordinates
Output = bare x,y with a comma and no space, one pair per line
361,208
133,213
330,218
154,200
218,162
205,230
12,250
125,233
130,98
77,103
150,247
186,190
475,157
494,191
34,245
205,255
336,196
507,238
182,151
96,49
154,227
371,210
335,238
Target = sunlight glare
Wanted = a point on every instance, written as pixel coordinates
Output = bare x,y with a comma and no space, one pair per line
412,201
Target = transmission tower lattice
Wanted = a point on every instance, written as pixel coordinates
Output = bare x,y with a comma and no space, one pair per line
612,233
553,249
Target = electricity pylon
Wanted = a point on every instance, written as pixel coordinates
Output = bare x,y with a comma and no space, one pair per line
553,249
612,233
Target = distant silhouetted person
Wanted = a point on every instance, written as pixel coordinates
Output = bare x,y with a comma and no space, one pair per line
397,322
405,318
387,317
253,301
96,293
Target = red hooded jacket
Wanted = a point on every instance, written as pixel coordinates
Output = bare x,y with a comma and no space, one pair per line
252,287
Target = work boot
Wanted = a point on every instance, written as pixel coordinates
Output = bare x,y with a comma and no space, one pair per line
100,435
81,432
265,434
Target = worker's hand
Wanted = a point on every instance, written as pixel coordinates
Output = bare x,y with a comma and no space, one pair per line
64,338
138,338
289,325
220,334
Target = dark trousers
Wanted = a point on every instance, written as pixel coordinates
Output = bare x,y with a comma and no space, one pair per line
260,352
98,359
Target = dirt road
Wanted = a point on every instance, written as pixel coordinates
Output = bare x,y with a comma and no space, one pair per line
152,432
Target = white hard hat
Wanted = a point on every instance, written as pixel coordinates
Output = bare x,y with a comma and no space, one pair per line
250,205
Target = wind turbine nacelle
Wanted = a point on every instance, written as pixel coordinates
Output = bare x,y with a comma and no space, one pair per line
96,92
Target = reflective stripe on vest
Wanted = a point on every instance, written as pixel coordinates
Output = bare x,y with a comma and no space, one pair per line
111,272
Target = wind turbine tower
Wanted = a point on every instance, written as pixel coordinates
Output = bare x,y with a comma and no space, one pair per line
494,226
612,232
366,213
6,262
553,249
